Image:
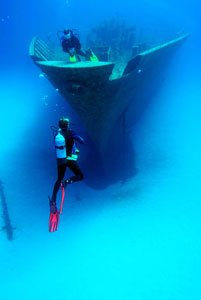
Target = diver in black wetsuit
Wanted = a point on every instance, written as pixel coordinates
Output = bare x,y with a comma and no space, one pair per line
70,44
70,161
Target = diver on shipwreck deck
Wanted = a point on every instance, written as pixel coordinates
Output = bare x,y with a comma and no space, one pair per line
71,45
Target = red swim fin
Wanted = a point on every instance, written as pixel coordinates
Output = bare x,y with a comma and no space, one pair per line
54,213
53,221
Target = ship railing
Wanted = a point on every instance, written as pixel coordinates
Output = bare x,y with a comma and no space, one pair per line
39,50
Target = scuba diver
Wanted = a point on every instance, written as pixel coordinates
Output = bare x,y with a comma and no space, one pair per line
67,154
70,44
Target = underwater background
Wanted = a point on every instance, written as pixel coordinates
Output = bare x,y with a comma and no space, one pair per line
138,238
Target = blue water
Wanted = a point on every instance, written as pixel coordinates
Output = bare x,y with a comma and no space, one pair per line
139,239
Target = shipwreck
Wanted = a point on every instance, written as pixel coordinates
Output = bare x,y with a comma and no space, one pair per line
105,94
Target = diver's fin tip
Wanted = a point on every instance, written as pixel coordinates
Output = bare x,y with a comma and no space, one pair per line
53,221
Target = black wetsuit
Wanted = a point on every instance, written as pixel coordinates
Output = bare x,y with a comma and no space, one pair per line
70,136
73,42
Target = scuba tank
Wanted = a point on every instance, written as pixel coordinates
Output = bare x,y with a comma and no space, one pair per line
60,145
76,33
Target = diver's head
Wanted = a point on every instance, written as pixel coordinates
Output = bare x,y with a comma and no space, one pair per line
67,33
64,123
